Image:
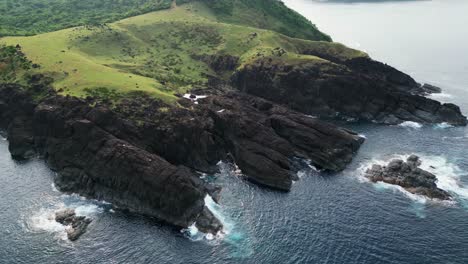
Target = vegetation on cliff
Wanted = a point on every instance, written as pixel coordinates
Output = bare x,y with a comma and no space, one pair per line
39,16
164,52
32,17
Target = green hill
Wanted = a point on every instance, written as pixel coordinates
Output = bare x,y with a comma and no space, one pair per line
31,17
161,53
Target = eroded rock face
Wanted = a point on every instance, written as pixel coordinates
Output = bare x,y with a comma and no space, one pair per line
260,137
95,158
77,224
409,176
221,62
359,88
142,159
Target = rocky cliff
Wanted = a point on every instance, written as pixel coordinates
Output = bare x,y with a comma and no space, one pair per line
141,156
360,89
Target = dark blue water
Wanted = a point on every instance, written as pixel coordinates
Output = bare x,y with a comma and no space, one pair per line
325,218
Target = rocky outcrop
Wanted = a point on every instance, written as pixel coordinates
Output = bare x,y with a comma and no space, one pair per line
220,62
141,155
77,225
259,136
359,88
431,89
409,176
100,163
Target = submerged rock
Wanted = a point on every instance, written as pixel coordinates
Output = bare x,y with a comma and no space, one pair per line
77,224
409,176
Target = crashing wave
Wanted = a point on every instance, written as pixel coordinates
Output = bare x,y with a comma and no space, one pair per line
411,124
44,219
448,177
194,234
439,96
443,125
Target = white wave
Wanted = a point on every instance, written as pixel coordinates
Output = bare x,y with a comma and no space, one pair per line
54,188
443,125
194,234
436,96
411,124
396,188
87,210
217,211
362,136
44,221
448,177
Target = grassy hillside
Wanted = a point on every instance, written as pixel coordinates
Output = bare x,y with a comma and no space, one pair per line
266,14
160,53
31,17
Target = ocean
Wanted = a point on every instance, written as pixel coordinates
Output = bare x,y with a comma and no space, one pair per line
326,218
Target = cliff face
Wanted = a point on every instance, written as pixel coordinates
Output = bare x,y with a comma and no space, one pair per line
260,136
138,156
94,162
358,88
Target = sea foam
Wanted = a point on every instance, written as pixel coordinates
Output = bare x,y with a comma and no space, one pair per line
448,177
411,124
194,234
43,220
443,125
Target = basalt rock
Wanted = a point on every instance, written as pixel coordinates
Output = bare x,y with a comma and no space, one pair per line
94,158
409,176
142,159
430,89
358,88
259,136
77,224
220,62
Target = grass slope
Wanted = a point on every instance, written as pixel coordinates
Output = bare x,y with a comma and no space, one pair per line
159,52
31,17
266,14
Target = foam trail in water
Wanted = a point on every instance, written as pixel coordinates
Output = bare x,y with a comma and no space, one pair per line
443,125
232,234
236,239
411,124
438,96
194,234
448,175
44,219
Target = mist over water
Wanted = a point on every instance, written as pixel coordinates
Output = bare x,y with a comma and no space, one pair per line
325,218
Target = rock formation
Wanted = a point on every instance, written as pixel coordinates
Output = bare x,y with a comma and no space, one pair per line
358,88
77,224
142,159
409,176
